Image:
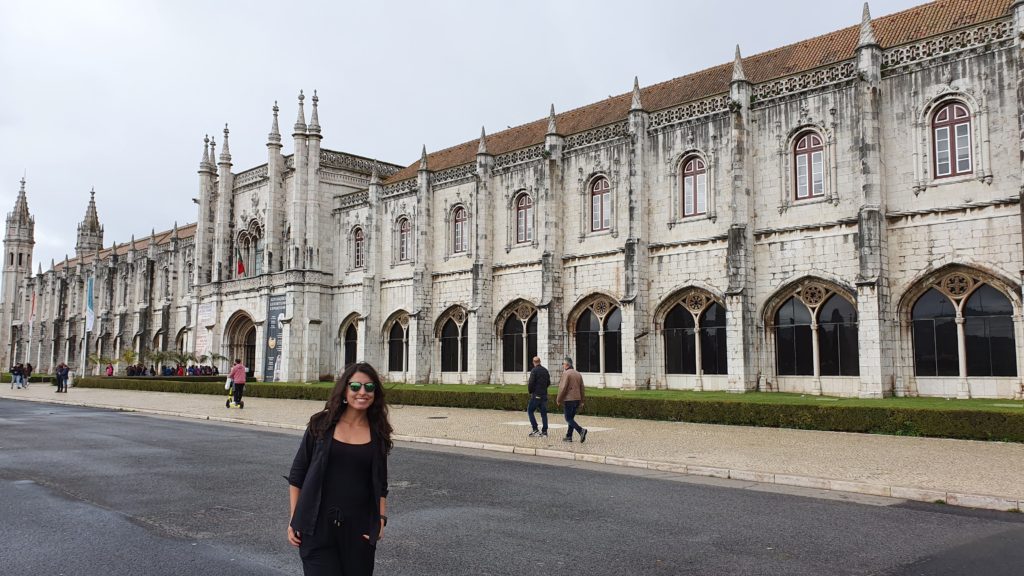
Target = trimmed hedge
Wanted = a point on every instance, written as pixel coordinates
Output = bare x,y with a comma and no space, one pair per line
961,424
6,378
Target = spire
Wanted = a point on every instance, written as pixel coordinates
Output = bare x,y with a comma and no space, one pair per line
423,158
551,121
92,220
636,105
213,151
90,233
482,148
314,118
40,269
225,153
152,237
206,152
737,67
374,175
275,133
174,231
867,31
21,214
300,122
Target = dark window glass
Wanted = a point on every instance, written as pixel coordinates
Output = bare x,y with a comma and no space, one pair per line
988,328
396,348
680,357
450,347
712,340
588,343
613,342
512,345
935,342
531,340
350,345
837,338
793,345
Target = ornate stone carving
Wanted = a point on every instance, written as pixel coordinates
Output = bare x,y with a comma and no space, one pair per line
813,295
685,112
956,284
455,175
601,307
695,302
354,199
359,164
400,188
459,315
958,41
253,176
524,311
597,135
403,320
519,156
835,74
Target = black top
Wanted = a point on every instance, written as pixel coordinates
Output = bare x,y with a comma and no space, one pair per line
309,473
347,483
539,381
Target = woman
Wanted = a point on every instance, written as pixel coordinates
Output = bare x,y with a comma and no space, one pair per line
110,370
339,478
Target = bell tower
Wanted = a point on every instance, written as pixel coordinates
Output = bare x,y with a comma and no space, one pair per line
18,242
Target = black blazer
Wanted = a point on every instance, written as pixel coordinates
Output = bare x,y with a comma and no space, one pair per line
309,469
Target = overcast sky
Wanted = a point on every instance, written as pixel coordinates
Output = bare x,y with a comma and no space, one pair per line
117,94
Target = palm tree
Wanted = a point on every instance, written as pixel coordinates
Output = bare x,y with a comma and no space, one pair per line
159,358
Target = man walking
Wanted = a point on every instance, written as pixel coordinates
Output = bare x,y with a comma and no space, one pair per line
570,392
237,376
538,388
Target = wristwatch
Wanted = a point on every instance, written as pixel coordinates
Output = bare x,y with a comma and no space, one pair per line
385,519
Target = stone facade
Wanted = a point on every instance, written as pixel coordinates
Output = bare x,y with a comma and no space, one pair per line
773,224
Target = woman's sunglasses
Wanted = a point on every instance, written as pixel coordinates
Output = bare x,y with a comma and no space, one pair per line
357,386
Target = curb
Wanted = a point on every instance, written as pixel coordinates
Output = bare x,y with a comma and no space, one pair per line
983,501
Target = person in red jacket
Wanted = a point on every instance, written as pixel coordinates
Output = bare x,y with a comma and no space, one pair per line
237,376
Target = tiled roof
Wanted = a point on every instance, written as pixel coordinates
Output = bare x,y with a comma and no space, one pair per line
893,30
186,231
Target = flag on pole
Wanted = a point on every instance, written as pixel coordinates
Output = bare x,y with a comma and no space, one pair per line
32,315
241,265
90,315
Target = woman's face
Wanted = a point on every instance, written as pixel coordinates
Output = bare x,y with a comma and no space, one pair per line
359,399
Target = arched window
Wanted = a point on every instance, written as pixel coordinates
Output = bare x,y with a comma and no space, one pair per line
793,345
680,333
951,132
512,353
599,339
454,347
809,166
257,264
397,348
838,353
613,342
524,219
404,239
988,334
351,340
358,248
460,230
588,342
695,187
935,340
601,205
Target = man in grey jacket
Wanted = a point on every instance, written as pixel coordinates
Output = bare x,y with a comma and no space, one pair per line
538,389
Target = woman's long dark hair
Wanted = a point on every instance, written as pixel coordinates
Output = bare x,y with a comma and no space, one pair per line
377,413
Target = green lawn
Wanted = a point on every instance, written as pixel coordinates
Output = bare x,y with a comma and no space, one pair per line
988,405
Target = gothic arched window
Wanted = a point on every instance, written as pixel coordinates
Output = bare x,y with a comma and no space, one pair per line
460,230
681,337
951,140
524,219
404,239
397,348
793,343
358,248
601,205
818,321
988,339
838,352
351,340
599,341
454,347
695,186
809,166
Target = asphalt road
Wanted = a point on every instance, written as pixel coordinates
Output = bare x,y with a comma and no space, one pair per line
92,492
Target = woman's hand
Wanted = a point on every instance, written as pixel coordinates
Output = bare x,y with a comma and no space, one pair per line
380,535
294,538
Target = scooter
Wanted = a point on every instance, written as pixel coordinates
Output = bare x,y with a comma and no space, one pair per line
230,402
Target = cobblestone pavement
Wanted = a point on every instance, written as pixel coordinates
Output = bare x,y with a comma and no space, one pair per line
960,472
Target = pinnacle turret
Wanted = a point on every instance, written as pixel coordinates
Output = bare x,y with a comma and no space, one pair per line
300,121
737,67
20,224
374,175
552,129
204,164
636,104
225,152
90,233
867,31
482,148
423,158
314,118
275,133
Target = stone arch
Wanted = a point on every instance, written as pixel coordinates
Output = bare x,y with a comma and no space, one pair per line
518,345
680,295
976,276
600,302
819,289
395,341
240,339
456,312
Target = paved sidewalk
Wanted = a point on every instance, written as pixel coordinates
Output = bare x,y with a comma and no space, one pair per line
960,472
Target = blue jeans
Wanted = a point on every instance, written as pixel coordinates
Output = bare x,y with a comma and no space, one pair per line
570,407
542,403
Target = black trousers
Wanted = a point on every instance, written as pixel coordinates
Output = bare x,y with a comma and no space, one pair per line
239,389
337,549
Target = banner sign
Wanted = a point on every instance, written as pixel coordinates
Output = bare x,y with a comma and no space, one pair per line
204,317
276,307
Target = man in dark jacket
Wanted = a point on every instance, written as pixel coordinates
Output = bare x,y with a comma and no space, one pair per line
538,388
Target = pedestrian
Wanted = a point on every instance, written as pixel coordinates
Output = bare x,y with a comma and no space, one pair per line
16,376
538,384
110,370
338,484
62,377
570,393
26,375
237,376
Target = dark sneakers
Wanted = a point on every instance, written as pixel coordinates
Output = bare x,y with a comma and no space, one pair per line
538,434
567,439
583,436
